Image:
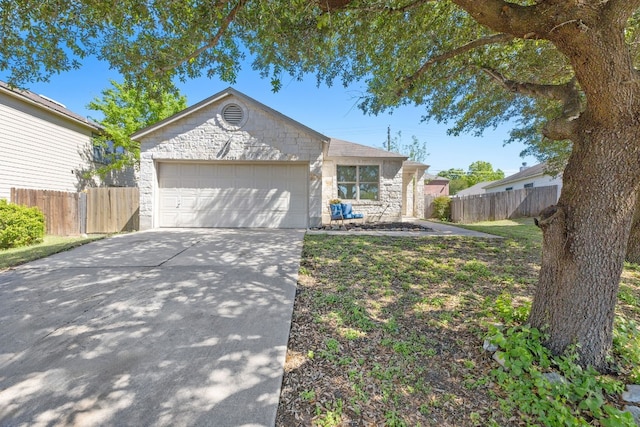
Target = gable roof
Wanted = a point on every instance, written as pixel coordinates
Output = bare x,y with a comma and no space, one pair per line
48,105
340,148
337,147
533,171
229,92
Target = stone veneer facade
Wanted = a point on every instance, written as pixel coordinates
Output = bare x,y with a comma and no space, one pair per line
200,134
203,135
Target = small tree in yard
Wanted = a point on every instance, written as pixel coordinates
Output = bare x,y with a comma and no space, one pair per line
416,151
563,69
126,110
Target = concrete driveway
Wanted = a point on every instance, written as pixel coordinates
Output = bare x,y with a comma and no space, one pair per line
157,328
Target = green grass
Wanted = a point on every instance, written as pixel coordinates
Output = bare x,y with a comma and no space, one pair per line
50,246
389,331
519,229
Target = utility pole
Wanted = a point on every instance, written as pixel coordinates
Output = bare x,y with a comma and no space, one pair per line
388,137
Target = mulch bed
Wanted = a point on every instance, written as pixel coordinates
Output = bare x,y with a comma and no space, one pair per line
381,226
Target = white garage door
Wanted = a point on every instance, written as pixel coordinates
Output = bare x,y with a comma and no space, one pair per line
242,195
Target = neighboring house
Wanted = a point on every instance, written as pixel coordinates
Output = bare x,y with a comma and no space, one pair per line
230,161
45,146
436,185
528,177
474,190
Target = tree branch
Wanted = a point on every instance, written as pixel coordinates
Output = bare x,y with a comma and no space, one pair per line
568,94
407,82
212,42
620,10
336,5
505,17
555,92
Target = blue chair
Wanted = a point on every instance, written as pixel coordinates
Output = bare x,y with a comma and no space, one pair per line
347,212
342,211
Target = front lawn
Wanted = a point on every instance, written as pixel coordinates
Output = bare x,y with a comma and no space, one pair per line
50,246
389,331
520,229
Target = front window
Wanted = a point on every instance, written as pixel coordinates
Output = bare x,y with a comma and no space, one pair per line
358,182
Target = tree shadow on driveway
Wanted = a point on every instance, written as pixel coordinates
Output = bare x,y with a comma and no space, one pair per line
194,332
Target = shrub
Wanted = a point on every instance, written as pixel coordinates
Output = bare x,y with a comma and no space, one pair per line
442,208
20,225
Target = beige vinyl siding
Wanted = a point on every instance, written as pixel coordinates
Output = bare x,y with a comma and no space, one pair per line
39,149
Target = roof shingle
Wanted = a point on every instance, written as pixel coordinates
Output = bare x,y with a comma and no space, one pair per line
340,148
49,105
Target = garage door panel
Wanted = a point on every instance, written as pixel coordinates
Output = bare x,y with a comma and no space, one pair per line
214,195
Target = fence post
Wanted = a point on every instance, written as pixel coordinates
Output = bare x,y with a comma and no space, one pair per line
82,212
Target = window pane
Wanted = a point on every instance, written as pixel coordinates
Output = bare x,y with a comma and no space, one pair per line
369,173
346,191
368,191
346,173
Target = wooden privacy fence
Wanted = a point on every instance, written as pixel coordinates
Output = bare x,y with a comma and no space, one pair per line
503,205
99,210
111,210
61,213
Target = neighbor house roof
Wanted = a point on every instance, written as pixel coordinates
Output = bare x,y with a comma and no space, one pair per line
432,178
216,98
340,148
533,171
417,165
49,105
474,190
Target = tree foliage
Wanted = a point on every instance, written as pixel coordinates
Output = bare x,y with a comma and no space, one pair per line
416,150
126,110
478,171
453,173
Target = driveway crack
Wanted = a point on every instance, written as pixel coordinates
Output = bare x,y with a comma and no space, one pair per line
178,254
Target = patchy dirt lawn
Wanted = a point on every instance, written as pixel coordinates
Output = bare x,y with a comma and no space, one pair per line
389,330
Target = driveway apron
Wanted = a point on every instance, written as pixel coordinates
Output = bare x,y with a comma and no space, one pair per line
157,328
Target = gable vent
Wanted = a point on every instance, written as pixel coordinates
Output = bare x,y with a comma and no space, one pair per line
232,114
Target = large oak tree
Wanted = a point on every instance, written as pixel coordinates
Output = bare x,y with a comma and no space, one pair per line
563,70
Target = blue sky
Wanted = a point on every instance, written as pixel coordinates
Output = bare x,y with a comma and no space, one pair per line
330,111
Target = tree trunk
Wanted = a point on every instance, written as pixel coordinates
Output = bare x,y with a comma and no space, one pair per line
633,249
584,244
